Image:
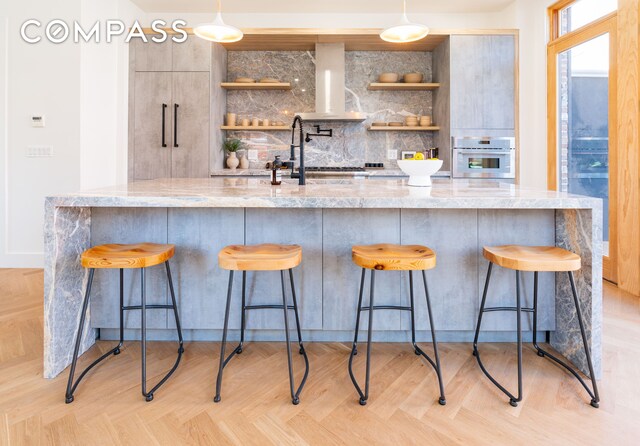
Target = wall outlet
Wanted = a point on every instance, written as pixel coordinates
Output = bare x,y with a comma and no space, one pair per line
39,151
252,155
392,154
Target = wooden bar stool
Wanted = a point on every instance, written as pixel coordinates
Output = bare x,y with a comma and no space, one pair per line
265,257
536,259
113,256
393,258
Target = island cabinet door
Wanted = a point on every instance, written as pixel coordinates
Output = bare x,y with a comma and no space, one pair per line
453,283
152,122
200,285
286,226
343,228
128,225
533,227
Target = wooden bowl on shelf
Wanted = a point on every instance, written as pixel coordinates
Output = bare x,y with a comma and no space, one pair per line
379,124
244,80
388,78
413,78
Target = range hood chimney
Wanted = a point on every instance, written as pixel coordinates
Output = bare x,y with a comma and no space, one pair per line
330,86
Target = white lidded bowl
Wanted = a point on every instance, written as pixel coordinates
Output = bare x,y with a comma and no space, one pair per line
420,171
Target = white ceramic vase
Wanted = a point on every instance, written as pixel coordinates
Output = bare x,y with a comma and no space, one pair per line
244,162
232,161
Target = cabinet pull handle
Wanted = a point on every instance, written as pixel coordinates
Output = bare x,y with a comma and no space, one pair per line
175,125
164,108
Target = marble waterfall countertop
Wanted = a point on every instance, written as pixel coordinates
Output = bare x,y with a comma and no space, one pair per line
323,193
372,173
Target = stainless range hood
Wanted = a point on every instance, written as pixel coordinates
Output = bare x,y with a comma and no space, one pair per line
330,86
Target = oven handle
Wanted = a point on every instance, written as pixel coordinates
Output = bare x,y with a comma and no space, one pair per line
484,152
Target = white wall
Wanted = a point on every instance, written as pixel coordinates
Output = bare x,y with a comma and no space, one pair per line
104,97
82,90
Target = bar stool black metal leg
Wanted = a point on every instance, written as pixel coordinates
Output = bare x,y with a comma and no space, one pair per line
364,396
416,350
71,387
294,398
595,397
481,312
513,402
354,346
302,350
295,310
442,400
175,309
143,334
121,342
242,315
223,362
535,315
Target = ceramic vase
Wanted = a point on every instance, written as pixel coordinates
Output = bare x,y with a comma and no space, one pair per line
244,162
232,161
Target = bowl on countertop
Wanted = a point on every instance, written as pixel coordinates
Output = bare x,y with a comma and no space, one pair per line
388,78
420,171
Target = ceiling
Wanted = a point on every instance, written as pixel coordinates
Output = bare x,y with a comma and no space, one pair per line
324,6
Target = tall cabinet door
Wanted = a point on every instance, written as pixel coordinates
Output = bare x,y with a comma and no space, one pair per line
190,124
152,112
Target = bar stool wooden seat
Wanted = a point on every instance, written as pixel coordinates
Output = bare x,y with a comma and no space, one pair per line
264,257
117,256
392,257
534,259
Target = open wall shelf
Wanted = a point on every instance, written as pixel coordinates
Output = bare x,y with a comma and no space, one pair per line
255,86
400,86
260,128
383,128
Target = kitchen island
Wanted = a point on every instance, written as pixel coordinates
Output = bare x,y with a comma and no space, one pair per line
456,218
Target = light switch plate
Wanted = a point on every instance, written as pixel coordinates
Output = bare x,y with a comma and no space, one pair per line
39,151
252,155
392,154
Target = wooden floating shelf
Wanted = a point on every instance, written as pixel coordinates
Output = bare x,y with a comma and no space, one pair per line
255,86
383,128
260,128
399,86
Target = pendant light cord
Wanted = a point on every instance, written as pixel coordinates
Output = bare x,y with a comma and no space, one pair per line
220,6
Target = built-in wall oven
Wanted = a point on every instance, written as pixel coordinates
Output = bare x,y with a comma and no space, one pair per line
476,157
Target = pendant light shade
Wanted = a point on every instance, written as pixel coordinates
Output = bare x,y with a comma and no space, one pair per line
218,31
405,31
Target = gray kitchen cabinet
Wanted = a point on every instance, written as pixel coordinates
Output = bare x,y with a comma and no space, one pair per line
171,125
194,54
190,140
152,101
482,82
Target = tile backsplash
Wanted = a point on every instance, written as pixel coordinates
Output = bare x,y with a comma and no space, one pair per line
352,144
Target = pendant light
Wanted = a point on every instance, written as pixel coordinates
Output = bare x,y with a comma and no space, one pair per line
218,31
405,31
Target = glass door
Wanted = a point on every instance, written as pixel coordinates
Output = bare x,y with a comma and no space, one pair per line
582,131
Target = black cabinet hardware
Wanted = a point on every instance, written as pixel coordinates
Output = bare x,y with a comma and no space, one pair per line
164,109
175,125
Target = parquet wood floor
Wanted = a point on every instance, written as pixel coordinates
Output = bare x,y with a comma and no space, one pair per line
256,410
